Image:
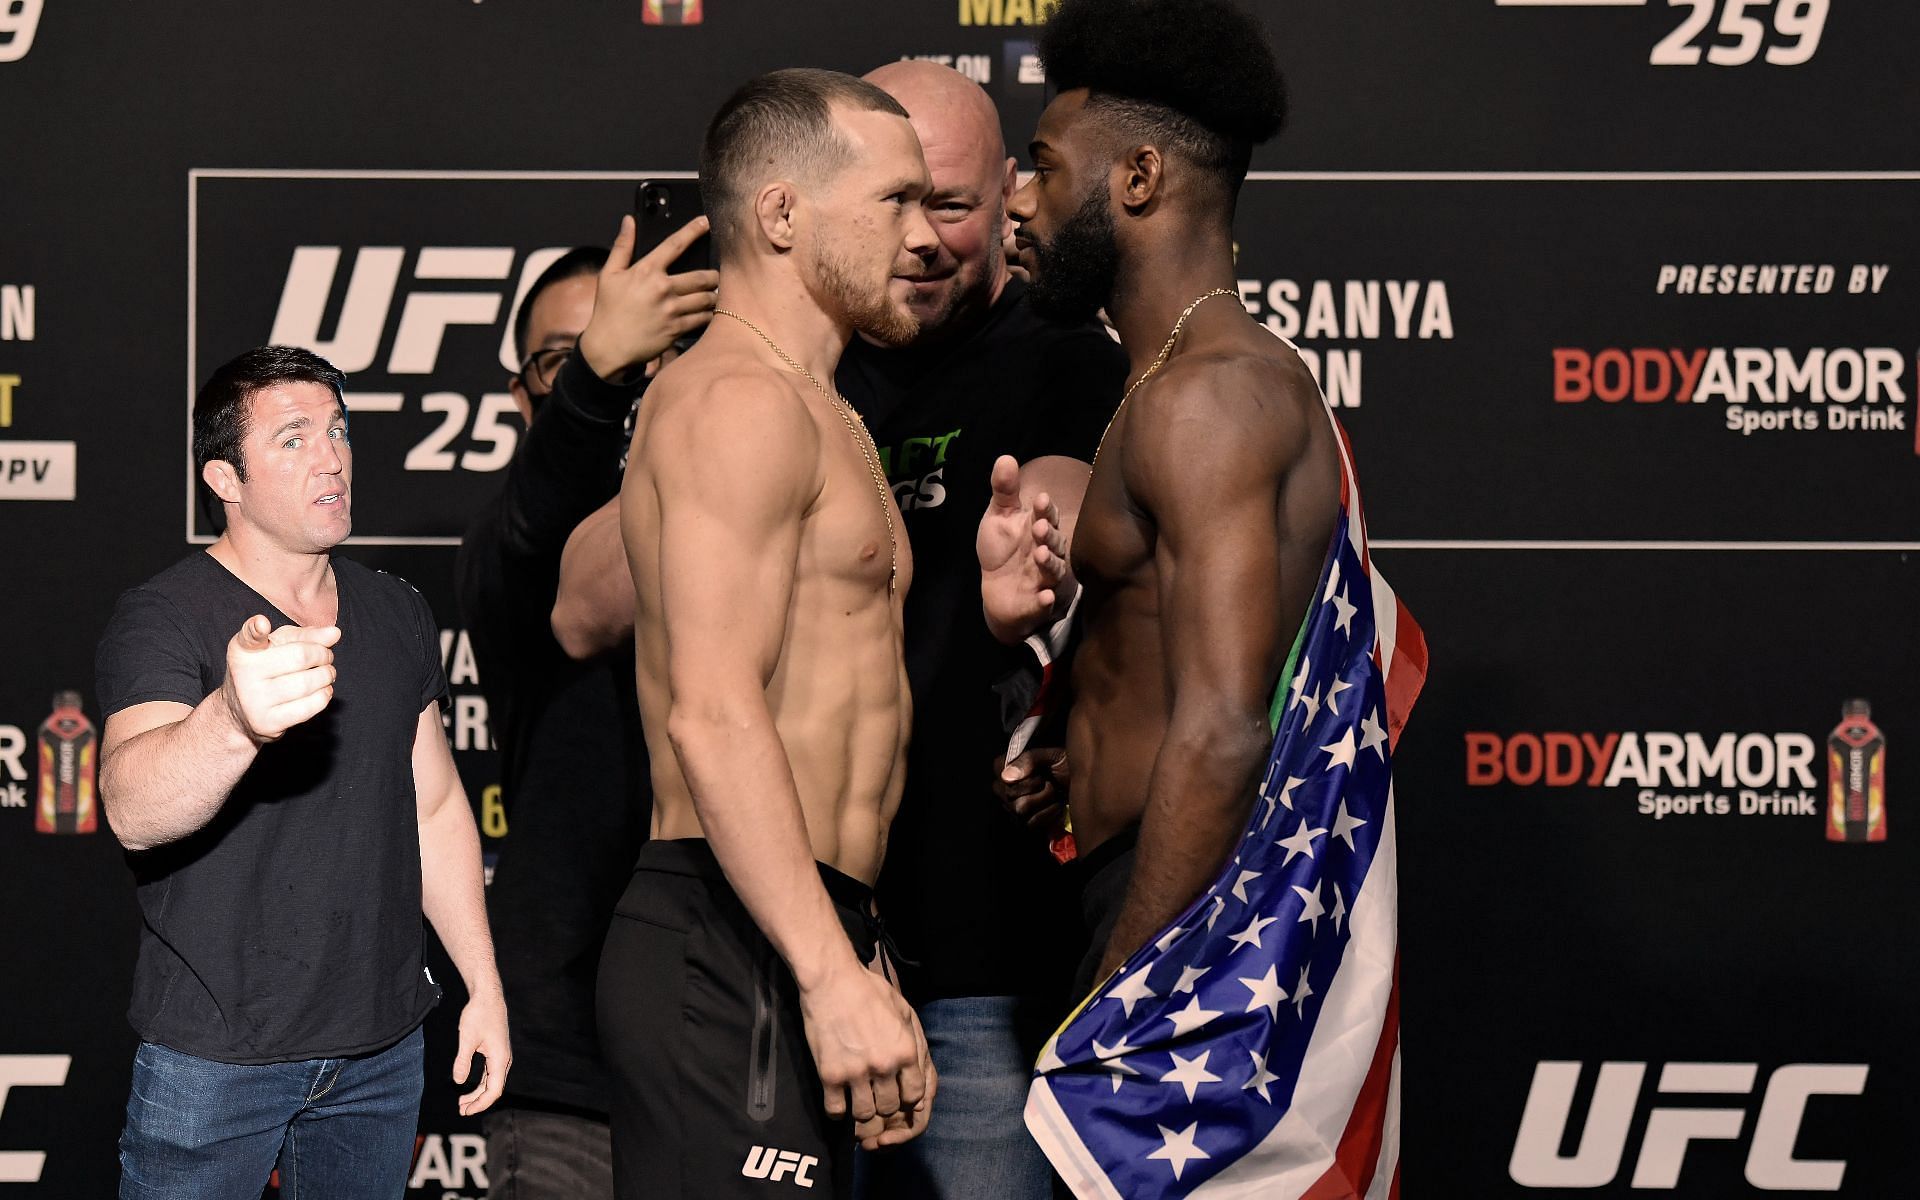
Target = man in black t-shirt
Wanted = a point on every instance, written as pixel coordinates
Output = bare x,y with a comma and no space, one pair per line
987,928
291,810
573,765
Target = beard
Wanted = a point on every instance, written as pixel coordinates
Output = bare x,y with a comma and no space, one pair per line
868,307
1074,270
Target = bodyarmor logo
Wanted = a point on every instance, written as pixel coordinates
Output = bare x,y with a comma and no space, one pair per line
764,1162
1771,1165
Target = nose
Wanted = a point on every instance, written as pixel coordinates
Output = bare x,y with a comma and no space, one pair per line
921,241
331,461
1023,203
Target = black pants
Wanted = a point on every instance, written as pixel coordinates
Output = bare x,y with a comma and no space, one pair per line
1104,874
715,1092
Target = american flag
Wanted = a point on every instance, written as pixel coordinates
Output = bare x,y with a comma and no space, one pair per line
1253,1049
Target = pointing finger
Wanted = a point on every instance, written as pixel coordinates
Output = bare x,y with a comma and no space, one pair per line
620,254
255,634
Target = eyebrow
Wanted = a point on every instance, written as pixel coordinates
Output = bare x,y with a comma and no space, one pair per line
903,184
296,423
1036,146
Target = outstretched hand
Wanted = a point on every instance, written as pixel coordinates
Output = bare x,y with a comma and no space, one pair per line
1025,577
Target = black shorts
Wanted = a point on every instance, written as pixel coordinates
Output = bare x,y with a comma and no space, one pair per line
1104,875
715,1092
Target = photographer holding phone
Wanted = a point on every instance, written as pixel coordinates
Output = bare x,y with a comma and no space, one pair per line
573,765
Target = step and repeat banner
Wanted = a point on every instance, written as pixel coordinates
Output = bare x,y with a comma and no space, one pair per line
1618,299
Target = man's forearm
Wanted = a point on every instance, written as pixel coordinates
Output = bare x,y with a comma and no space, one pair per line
168,782
750,812
453,894
1197,804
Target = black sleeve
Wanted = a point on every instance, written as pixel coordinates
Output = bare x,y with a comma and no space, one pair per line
426,632
568,464
1085,375
146,654
431,674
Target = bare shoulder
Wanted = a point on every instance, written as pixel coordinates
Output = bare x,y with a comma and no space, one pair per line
733,408
1228,404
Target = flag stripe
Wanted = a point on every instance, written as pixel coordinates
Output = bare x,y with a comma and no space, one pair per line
1302,1146
1359,1155
1386,1174
1063,1147
1406,674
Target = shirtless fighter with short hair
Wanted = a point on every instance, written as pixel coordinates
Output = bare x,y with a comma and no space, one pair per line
769,573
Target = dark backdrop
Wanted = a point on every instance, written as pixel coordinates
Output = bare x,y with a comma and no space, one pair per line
1473,199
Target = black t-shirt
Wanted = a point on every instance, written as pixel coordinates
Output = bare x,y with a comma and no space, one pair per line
969,893
289,926
573,765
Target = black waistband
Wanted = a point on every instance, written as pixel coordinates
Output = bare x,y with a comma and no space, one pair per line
1108,852
694,856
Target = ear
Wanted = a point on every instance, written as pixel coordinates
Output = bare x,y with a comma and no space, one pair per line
1143,177
222,480
1007,187
773,210
521,400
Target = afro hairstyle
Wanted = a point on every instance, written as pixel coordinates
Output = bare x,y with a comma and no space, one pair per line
1197,76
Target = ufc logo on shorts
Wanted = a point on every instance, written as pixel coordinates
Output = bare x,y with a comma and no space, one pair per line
764,1162
1771,1165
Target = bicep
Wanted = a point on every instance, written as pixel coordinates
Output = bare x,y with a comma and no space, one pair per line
1220,583
1211,479
435,778
728,543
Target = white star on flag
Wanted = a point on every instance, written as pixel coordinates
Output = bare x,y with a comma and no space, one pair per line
1132,990
1190,1073
1111,1056
1166,941
1188,977
1240,885
1299,684
1300,841
1333,694
1372,736
1219,906
1344,823
1313,908
1333,581
1190,1018
1250,936
1286,793
1261,1077
1312,701
1343,613
1301,991
1339,908
1342,750
1179,1149
1267,993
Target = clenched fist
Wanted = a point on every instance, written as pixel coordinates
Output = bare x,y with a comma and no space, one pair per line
277,678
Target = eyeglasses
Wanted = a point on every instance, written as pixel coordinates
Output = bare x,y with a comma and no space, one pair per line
538,371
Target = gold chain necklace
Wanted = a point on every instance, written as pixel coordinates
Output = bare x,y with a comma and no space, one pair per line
1157,364
868,450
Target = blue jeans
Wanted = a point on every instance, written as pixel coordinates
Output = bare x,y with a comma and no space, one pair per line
338,1128
976,1147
